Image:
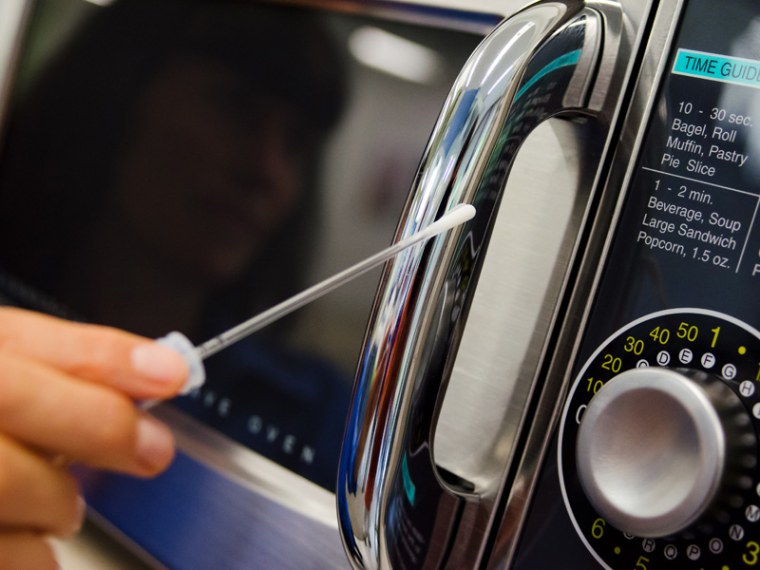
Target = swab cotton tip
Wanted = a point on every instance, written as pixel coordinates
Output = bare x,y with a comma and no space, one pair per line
451,219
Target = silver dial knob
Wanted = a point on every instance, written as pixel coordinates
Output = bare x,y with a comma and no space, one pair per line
652,448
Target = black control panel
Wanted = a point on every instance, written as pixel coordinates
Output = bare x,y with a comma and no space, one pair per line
665,474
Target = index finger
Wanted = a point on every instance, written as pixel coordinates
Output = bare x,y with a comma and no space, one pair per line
134,365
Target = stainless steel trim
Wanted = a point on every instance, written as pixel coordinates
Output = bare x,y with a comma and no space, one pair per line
478,17
225,506
424,297
559,369
250,469
433,12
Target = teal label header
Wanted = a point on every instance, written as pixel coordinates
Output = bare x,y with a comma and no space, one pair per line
714,67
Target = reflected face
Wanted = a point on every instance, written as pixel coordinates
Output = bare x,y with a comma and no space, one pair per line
210,171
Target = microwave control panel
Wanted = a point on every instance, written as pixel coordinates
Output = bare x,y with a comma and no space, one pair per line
654,464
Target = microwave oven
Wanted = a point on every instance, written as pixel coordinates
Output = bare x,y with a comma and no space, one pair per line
566,381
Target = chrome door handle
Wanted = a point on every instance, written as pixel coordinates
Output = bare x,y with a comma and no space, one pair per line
539,63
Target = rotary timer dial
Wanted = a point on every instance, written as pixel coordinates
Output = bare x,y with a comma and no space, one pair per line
658,445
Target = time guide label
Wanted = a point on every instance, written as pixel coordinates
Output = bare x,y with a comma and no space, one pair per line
716,67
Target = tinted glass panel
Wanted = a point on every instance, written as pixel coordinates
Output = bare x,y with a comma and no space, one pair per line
184,165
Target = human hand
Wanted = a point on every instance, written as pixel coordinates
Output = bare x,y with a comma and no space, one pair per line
67,394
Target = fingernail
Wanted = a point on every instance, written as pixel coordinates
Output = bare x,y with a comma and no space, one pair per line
158,362
155,443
